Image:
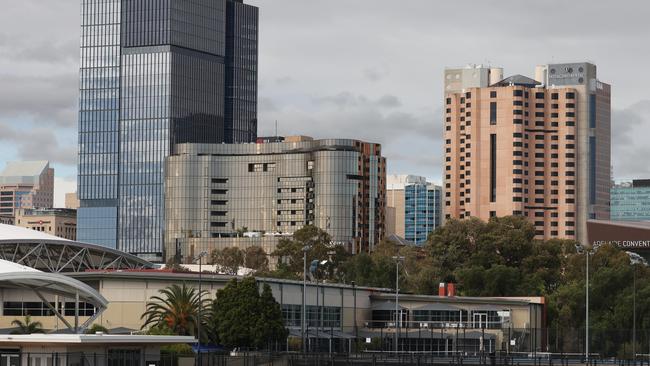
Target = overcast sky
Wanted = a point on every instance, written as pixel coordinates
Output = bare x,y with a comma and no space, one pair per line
368,69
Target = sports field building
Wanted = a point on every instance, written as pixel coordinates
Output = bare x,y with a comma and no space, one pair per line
114,287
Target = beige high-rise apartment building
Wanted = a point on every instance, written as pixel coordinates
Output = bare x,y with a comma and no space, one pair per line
533,147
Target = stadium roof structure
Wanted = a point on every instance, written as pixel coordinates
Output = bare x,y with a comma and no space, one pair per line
14,275
49,253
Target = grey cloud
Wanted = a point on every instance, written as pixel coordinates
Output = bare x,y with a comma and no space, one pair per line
43,52
45,98
374,74
630,129
284,80
38,144
345,100
265,104
389,101
411,140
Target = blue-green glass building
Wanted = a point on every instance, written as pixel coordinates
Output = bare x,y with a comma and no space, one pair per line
631,202
412,207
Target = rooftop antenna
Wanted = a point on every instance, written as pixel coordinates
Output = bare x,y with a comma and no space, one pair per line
276,129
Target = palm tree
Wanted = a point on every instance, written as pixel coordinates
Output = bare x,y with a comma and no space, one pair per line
27,326
177,309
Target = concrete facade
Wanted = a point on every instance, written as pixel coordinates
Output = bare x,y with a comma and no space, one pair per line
534,148
71,200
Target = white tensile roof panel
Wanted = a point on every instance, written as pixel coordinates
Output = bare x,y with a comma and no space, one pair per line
10,232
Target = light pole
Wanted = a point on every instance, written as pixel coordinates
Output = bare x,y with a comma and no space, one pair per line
200,320
356,330
305,249
313,267
397,259
634,260
587,252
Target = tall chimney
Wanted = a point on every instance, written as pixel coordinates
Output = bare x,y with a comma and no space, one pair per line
451,289
442,289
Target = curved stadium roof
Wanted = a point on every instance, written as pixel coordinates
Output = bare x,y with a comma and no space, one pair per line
14,275
49,253
19,276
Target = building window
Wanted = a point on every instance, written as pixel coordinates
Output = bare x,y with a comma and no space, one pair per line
592,169
493,167
493,94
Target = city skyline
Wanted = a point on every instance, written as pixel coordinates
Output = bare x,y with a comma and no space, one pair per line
378,83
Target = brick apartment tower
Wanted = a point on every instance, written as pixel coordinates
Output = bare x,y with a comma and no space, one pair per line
533,147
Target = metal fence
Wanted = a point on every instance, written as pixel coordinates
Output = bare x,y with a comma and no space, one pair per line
617,343
298,359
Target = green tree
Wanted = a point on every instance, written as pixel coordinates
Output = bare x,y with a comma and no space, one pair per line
97,328
270,324
229,259
451,246
289,253
27,326
241,231
256,259
244,318
177,308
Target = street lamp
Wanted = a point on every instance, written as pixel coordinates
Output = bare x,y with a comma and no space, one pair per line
305,249
587,252
200,259
397,259
634,260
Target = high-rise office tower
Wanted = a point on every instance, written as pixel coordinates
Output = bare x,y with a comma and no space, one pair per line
533,147
155,74
412,207
26,184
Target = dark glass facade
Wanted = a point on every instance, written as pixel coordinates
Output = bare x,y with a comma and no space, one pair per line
99,103
153,75
241,72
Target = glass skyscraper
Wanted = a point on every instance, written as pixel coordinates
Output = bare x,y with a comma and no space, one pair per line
155,74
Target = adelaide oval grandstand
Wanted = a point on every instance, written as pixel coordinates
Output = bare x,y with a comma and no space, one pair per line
49,253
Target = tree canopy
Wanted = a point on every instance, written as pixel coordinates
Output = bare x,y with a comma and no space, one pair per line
245,318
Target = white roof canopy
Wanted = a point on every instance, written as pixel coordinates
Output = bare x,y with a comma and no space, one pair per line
13,275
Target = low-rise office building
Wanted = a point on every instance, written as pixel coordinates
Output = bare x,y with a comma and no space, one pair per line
61,222
214,191
413,207
630,201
